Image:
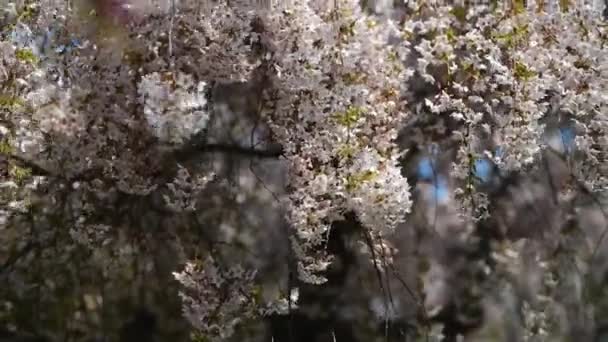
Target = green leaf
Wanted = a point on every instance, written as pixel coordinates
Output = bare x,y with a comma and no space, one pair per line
6,147
346,151
519,6
522,72
28,12
350,117
451,35
10,102
470,70
348,30
354,181
460,12
256,293
583,63
354,78
198,337
513,38
392,56
27,56
19,173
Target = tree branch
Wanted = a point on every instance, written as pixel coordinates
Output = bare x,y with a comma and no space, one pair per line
180,156
188,152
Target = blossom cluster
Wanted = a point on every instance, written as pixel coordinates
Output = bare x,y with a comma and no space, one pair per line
174,108
216,300
499,77
337,114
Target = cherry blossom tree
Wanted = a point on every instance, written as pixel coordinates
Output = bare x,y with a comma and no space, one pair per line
303,170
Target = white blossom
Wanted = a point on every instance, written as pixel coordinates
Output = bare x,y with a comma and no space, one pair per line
174,106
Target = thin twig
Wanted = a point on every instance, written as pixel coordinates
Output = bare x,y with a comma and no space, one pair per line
420,305
370,245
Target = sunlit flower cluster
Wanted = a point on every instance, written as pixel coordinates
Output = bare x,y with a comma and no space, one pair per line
337,113
499,76
174,106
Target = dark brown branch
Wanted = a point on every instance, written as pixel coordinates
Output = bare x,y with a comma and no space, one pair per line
190,151
180,156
